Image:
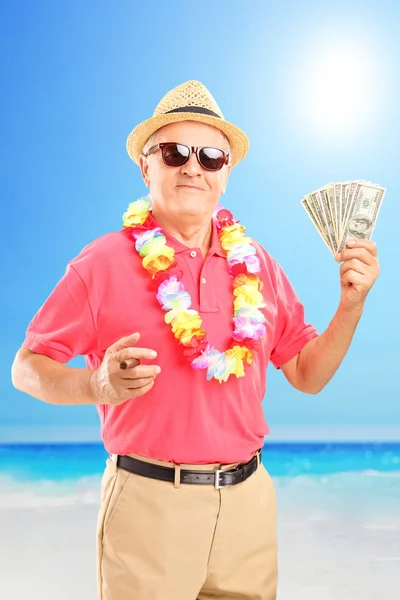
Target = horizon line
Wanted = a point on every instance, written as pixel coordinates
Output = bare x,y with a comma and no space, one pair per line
278,434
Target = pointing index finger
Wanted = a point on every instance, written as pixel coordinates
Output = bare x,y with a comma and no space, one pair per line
137,353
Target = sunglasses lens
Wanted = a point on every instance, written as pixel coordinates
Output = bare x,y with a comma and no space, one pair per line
175,155
212,159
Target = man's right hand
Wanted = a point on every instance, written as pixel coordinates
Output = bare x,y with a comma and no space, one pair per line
112,385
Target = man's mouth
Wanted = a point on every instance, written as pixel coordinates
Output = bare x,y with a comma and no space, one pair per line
190,187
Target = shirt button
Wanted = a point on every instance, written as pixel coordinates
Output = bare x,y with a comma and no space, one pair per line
203,280
193,254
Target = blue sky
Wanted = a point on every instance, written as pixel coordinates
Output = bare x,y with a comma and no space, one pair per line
314,84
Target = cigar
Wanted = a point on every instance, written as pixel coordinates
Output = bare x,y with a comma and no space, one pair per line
123,365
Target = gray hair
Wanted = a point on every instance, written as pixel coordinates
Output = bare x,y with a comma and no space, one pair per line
150,142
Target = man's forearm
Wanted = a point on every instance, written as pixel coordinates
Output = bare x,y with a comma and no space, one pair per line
50,381
321,357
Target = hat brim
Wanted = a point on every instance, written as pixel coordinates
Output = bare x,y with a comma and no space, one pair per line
238,140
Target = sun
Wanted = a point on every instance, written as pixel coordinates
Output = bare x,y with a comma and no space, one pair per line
336,87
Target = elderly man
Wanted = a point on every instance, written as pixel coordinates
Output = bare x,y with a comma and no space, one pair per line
178,315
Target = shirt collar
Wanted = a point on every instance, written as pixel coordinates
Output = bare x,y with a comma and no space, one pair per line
179,247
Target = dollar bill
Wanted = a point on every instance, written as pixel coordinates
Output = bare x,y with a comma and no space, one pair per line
330,192
316,210
363,213
318,205
329,227
344,194
314,220
338,202
351,191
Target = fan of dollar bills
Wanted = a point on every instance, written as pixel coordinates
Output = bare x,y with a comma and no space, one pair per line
342,211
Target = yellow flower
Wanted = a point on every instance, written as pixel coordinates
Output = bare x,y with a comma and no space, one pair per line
187,324
160,261
136,213
236,356
247,295
234,234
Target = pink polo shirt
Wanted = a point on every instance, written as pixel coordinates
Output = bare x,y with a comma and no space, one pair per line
104,296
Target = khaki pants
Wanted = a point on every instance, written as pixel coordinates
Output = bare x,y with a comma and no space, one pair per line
163,541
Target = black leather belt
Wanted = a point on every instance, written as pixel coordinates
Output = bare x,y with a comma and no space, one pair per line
218,478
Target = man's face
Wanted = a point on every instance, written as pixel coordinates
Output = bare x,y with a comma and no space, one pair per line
188,190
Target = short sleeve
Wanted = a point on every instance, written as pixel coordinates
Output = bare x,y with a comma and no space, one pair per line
291,332
63,327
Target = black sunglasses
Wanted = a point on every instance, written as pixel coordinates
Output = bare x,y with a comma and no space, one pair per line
176,155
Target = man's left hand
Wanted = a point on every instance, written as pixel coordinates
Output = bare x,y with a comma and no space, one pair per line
358,272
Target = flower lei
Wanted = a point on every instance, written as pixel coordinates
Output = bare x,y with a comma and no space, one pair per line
186,323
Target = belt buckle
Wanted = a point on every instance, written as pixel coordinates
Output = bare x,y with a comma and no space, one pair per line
217,483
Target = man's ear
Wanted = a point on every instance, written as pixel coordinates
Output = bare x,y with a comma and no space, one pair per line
144,168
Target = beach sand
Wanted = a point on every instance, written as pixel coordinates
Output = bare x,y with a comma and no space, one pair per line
330,546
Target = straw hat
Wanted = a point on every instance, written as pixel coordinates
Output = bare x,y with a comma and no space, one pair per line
190,101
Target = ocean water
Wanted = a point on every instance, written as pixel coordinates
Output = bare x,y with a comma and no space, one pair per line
364,477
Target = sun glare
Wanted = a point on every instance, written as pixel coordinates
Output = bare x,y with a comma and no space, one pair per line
336,87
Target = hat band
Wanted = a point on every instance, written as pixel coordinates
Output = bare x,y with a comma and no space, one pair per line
194,109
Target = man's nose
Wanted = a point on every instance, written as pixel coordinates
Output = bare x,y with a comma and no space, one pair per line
192,166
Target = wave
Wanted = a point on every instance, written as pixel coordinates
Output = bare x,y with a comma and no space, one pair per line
364,493
367,487
349,481
15,494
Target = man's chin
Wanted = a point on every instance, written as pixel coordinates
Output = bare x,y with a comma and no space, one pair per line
189,199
